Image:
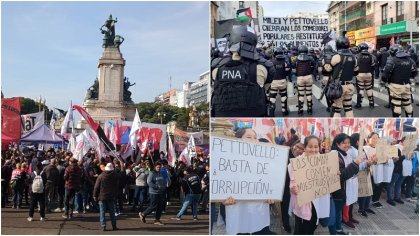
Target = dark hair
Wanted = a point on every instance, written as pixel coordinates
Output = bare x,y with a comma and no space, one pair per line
309,138
39,166
371,135
263,140
340,138
354,138
240,132
158,163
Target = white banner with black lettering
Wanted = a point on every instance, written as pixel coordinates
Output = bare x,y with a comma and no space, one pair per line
32,121
247,170
294,31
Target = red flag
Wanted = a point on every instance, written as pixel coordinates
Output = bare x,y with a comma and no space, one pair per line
117,133
10,119
99,131
87,117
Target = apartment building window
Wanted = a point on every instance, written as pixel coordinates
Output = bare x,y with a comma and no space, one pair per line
384,10
400,11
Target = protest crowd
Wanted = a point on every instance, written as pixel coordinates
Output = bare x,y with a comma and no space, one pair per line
55,181
367,177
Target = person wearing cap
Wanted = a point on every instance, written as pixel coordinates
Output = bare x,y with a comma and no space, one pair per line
105,191
73,179
157,186
52,182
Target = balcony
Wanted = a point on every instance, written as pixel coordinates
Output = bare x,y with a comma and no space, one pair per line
351,16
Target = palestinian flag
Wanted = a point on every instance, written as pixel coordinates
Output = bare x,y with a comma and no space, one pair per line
244,14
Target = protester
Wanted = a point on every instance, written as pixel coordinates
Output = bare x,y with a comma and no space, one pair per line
394,187
73,178
307,216
157,186
53,175
105,191
341,144
141,189
38,181
191,186
17,183
240,215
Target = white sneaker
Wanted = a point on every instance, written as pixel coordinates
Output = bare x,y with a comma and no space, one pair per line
75,212
43,219
30,219
57,210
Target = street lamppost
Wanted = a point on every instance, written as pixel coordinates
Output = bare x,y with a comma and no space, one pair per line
161,115
41,101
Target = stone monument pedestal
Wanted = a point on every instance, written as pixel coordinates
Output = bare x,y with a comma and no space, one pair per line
109,104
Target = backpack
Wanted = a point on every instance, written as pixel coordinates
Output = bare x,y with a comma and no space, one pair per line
334,90
38,184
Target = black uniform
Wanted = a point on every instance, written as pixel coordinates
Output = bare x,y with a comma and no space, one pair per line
397,73
279,83
364,80
305,65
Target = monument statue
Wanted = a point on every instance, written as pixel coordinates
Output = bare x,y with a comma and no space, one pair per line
127,93
193,122
93,91
108,30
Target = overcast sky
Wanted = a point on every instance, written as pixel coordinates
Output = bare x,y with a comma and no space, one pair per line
52,48
285,8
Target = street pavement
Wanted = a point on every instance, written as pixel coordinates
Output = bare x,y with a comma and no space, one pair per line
319,107
14,221
397,220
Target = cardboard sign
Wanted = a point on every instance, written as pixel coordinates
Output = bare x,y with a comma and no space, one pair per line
365,183
409,145
247,170
315,176
382,151
392,151
294,31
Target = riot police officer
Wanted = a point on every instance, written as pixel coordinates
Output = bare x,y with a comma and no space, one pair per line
325,68
364,80
304,66
398,69
345,67
279,84
239,81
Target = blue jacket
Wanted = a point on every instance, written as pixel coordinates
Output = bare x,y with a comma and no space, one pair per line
415,162
156,182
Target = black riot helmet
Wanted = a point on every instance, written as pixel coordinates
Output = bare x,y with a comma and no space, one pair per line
279,53
394,49
303,49
311,50
342,42
328,49
354,50
363,47
243,41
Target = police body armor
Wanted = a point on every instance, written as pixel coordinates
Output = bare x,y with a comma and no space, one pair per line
280,66
327,63
364,60
236,91
303,65
402,70
345,69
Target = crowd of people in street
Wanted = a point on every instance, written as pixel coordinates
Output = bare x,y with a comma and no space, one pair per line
397,177
247,79
55,181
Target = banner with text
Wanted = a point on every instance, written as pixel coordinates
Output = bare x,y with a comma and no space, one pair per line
315,176
294,31
247,170
32,121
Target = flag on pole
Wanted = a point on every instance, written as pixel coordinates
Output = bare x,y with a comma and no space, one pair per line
132,143
191,148
184,157
52,123
68,122
171,152
244,14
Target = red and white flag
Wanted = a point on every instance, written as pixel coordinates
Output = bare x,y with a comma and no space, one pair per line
184,157
171,152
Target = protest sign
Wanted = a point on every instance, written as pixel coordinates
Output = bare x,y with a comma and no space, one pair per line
382,151
392,151
32,121
409,145
365,184
247,170
315,176
294,31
